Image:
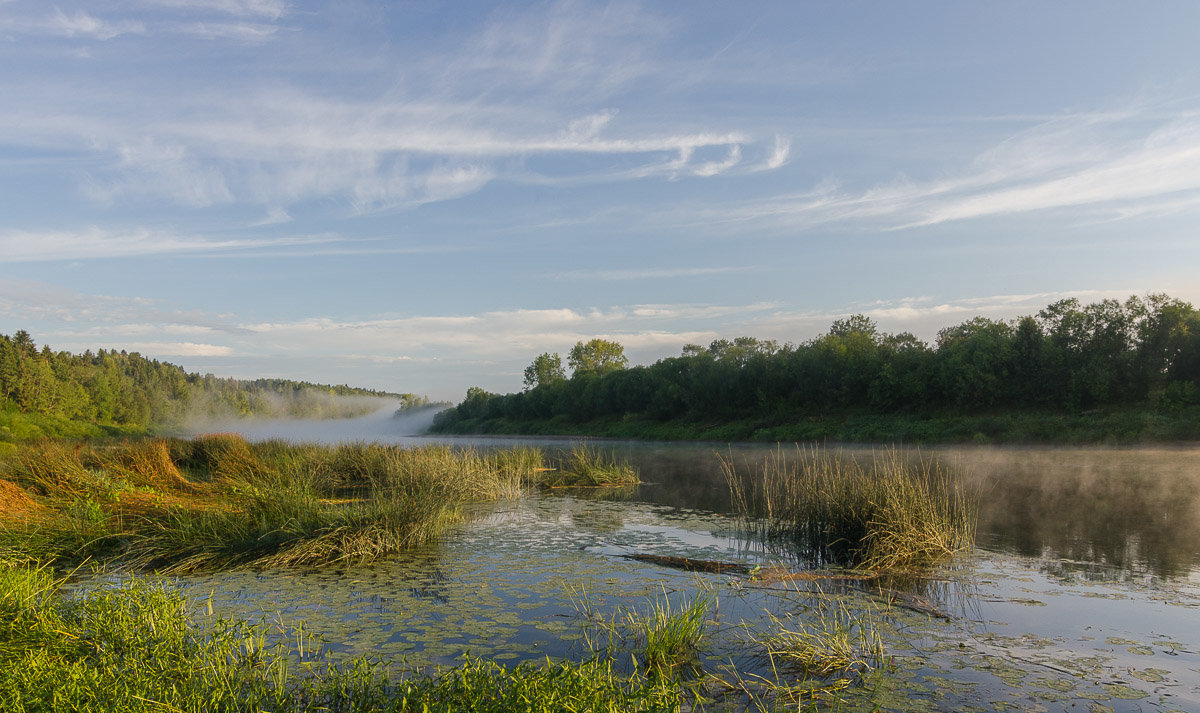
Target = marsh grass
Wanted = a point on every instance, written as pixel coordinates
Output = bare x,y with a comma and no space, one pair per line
895,512
218,501
135,648
662,639
828,640
588,466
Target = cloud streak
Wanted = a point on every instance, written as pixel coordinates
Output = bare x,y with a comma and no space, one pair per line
437,135
18,246
1107,164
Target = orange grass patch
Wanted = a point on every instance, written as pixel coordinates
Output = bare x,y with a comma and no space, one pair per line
16,503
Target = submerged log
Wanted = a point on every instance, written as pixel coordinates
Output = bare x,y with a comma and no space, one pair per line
692,565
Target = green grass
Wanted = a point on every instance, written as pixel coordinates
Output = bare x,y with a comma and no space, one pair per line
828,641
588,466
893,512
135,648
219,501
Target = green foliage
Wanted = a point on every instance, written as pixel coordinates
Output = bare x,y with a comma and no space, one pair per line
57,394
597,356
546,369
857,383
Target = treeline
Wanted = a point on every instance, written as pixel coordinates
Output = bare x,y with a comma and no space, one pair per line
41,391
1069,358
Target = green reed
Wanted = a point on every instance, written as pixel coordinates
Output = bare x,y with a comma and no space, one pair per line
890,511
588,466
219,501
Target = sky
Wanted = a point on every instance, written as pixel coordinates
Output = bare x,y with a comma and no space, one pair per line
423,196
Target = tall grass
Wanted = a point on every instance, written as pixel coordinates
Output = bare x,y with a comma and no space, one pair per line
219,501
663,639
889,512
588,466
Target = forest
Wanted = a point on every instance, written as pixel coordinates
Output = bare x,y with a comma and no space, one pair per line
1120,371
56,393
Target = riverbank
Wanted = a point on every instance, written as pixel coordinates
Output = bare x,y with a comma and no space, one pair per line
1113,426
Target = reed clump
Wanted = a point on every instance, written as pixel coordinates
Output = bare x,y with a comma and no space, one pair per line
890,511
829,642
588,466
219,501
663,639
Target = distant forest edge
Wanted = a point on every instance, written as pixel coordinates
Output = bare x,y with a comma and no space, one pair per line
1109,371
59,394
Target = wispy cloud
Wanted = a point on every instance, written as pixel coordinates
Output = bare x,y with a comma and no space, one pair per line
267,9
245,32
542,87
78,24
1117,164
650,273
34,246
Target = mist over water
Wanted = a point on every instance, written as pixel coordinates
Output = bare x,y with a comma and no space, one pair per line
382,425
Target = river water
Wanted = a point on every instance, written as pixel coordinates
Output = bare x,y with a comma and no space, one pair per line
1083,592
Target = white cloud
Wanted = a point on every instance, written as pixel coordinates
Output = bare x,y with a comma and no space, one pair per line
449,127
174,349
268,9
246,32
1111,165
650,273
79,24
34,246
712,168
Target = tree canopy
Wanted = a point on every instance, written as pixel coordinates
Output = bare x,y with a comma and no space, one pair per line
597,356
1070,357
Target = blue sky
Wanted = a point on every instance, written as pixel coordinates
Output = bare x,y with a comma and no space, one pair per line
423,196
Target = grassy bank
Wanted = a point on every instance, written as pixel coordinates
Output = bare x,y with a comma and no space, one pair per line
219,501
1113,426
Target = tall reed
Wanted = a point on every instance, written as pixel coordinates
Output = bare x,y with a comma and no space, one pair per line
892,511
219,501
586,465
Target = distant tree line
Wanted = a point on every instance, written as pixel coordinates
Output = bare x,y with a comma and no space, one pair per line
126,389
1069,357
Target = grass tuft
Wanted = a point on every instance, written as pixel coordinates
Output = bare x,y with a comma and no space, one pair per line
895,512
587,466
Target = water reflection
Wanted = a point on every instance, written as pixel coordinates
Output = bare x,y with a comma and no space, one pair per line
1097,512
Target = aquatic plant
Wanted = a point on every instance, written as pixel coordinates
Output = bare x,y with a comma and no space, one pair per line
895,512
827,640
670,637
135,648
588,466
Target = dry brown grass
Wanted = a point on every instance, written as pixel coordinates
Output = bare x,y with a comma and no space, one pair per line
16,504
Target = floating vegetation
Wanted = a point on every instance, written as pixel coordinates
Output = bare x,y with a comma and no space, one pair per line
134,648
895,512
219,501
589,467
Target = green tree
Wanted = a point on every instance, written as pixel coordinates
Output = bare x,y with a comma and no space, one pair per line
598,356
546,369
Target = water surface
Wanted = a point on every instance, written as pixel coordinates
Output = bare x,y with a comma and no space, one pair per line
1083,592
